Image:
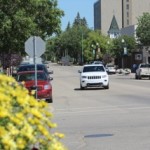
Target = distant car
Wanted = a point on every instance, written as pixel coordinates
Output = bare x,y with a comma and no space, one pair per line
111,69
44,87
93,75
31,67
143,71
97,62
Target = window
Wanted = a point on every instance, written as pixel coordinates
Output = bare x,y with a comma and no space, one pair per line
127,6
127,21
94,69
127,14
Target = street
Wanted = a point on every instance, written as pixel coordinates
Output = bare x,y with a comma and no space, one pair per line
98,119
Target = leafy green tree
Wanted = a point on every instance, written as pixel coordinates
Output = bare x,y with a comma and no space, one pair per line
78,21
68,26
95,41
143,29
70,43
124,41
21,19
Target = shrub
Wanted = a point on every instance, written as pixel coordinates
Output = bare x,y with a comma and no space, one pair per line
24,121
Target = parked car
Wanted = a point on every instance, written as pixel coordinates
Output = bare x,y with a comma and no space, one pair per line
111,69
31,67
97,62
44,87
143,71
93,75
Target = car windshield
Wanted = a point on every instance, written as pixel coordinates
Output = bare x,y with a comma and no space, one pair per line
93,69
32,68
145,66
110,66
31,76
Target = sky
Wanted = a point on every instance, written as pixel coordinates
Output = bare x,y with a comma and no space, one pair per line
72,7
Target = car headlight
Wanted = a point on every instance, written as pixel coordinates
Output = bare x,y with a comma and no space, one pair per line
104,76
47,86
83,77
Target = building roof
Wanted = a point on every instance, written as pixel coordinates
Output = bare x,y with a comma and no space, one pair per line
114,28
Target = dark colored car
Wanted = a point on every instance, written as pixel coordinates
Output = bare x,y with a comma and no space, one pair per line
31,67
44,87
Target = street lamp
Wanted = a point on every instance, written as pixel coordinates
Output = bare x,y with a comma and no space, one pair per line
95,50
124,51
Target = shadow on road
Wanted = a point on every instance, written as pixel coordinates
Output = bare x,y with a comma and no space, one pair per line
97,135
86,89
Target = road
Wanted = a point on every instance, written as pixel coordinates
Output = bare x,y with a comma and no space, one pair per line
98,119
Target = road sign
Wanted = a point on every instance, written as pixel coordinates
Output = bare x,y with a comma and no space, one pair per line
34,46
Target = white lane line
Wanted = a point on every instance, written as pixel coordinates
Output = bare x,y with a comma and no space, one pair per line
97,109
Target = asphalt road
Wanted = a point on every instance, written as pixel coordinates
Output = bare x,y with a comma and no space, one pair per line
98,119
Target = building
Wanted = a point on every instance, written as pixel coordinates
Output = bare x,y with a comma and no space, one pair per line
129,30
126,13
104,10
132,9
114,30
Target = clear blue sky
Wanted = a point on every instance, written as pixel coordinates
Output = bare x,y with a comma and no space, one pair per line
72,7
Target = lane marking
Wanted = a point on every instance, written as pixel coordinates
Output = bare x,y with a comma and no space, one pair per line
96,109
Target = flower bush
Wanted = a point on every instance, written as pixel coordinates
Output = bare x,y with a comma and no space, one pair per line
24,121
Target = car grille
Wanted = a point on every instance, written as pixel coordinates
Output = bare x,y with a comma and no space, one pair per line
94,77
94,84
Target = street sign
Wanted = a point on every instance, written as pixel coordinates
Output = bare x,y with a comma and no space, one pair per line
34,46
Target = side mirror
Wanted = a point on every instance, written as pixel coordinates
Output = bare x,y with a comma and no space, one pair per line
51,72
50,78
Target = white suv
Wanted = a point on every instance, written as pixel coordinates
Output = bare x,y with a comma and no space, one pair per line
94,75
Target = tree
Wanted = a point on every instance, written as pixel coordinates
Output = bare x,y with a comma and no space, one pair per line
129,43
95,41
21,19
84,22
78,21
143,29
68,26
69,43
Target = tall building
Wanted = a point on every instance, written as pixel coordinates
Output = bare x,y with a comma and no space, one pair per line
126,13
132,9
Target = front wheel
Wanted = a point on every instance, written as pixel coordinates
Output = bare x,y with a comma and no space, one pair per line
81,87
136,77
106,87
50,100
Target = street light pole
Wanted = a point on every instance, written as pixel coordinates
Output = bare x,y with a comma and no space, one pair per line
82,59
124,51
95,50
97,44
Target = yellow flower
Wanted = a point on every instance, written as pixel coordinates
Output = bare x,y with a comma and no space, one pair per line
36,113
16,120
24,120
3,112
59,135
21,143
3,131
12,129
8,142
20,115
